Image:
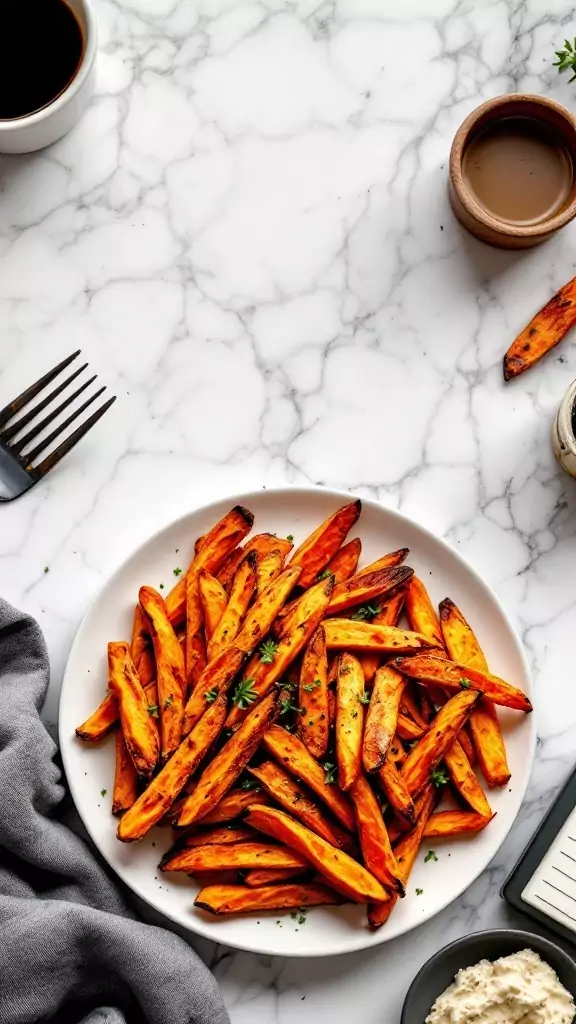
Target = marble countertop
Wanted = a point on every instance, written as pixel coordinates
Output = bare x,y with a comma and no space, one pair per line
248,235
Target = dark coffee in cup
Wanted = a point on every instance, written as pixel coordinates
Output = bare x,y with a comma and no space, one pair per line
41,49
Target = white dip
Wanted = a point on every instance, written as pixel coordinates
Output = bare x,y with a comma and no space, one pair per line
517,989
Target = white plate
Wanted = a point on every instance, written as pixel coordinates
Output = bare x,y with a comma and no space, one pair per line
90,769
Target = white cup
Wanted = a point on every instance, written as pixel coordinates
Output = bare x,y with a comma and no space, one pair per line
35,131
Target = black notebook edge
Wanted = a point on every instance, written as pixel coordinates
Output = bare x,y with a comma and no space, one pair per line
534,854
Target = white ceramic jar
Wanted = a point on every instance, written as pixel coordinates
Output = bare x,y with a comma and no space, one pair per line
563,436
35,131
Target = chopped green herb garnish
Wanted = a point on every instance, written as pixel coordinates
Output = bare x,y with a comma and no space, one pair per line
431,855
290,537
419,892
308,687
299,915
286,705
176,571
329,773
364,698
210,696
103,792
465,684
268,651
46,568
168,701
365,612
249,784
244,694
152,710
439,778
566,59
324,575
161,586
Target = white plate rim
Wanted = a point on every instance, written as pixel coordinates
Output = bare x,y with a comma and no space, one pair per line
196,925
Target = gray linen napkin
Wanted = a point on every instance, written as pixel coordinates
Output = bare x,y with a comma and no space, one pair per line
70,950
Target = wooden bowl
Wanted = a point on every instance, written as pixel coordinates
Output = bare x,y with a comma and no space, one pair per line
471,214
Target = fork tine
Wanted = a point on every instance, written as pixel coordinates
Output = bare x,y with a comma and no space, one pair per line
25,441
46,441
13,407
15,428
54,458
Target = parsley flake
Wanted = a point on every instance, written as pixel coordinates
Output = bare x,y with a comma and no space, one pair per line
286,705
364,698
419,892
210,696
431,855
366,612
46,568
439,778
176,571
103,792
308,687
152,710
249,784
168,701
324,575
161,586
290,537
268,651
465,684
244,694
329,773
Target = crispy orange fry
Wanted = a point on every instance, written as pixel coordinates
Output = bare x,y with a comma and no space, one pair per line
262,544
213,601
345,561
313,724
428,669
125,777
387,561
163,790
268,568
138,727
387,616
464,648
264,610
375,844
106,715
409,707
395,789
365,636
241,592
216,545
195,656
407,729
293,756
366,587
350,697
382,716
238,899
345,874
466,742
406,853
233,805
421,612
286,792
237,856
454,823
315,553
215,679
263,675
141,648
543,332
169,669
257,877
429,751
216,836
465,781
222,772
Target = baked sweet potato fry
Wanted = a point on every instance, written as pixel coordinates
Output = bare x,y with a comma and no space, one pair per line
409,707
463,648
235,856
233,805
422,614
222,772
454,823
365,636
125,777
169,670
156,800
345,874
406,729
224,536
364,588
320,547
138,727
465,781
382,716
406,852
388,615
262,544
388,561
268,568
439,671
263,675
293,798
215,679
441,733
216,836
241,899
313,724
261,615
345,561
350,699
291,753
141,650
395,789
374,842
241,591
213,601
543,332
257,877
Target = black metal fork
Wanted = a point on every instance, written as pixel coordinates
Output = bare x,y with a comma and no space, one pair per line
19,470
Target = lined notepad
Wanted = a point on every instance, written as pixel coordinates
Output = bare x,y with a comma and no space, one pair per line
552,887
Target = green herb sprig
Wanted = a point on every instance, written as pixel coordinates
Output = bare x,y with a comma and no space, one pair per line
567,59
